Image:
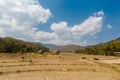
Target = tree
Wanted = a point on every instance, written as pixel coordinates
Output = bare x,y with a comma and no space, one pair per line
23,49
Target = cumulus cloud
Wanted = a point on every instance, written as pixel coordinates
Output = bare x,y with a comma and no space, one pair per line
60,28
91,26
19,19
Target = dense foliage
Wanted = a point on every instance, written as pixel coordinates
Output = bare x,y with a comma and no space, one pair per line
11,45
102,49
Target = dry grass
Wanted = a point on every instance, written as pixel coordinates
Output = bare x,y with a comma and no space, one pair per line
57,67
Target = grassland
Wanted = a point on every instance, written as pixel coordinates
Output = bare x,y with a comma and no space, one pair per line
66,66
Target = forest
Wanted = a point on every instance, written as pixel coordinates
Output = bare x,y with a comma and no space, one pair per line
107,48
11,45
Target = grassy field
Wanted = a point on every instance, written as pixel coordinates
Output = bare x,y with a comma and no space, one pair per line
66,66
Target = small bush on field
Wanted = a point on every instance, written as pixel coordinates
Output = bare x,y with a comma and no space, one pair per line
95,58
22,58
18,71
84,58
31,62
1,73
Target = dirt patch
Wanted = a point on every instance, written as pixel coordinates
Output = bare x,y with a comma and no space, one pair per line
86,75
112,61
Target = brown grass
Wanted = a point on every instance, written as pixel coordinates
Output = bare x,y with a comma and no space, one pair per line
58,67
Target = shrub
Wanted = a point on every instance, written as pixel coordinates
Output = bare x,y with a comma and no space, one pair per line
95,58
84,58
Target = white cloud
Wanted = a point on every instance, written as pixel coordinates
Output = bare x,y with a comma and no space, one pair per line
100,13
18,19
44,36
63,34
60,28
91,26
109,26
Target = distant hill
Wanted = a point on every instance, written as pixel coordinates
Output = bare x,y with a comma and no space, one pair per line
48,45
12,45
67,48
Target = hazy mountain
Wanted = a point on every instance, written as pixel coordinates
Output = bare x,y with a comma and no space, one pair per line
48,45
67,48
107,48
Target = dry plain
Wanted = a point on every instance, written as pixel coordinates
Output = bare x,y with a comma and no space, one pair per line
66,66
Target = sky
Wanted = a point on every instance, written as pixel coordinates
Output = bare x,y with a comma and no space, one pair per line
61,22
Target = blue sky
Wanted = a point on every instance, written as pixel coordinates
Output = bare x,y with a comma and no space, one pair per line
60,22
76,11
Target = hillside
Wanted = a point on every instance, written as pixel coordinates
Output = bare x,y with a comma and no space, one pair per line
107,48
67,48
12,45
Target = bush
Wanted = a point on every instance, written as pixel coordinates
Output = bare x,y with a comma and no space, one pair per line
1,73
95,58
84,58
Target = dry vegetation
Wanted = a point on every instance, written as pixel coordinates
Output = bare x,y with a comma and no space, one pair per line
59,67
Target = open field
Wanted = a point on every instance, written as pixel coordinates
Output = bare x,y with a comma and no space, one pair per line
59,67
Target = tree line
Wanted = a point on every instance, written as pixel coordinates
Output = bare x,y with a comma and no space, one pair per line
102,49
11,45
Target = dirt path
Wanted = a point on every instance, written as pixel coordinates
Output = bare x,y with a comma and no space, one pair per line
113,61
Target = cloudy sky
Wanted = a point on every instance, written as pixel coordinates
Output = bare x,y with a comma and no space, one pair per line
60,22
